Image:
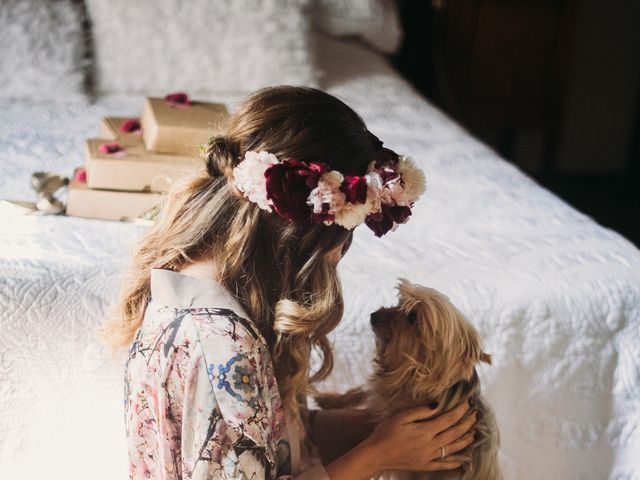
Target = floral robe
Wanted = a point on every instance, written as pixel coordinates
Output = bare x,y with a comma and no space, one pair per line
201,398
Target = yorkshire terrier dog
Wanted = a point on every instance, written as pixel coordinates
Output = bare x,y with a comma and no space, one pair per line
426,354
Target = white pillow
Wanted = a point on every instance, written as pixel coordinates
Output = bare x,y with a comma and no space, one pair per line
202,47
375,21
41,50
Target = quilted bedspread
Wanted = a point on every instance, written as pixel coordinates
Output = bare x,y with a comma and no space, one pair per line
555,296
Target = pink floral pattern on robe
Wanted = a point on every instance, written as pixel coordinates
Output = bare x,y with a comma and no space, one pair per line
208,405
201,398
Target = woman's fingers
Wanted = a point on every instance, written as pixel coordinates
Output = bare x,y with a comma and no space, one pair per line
445,420
459,444
443,465
417,413
454,433
407,438
450,449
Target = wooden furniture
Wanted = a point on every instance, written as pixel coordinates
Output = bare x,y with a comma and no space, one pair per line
502,66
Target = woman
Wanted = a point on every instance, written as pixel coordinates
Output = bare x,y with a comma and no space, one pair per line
235,285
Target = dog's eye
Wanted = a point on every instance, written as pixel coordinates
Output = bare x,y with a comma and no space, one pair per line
412,318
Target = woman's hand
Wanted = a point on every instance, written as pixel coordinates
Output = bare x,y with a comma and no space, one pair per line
413,439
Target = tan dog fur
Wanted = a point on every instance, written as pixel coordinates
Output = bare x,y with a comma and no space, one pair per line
426,352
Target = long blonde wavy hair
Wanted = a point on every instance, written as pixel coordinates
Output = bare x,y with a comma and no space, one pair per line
276,269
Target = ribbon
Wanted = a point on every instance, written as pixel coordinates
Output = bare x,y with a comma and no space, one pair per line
49,186
46,185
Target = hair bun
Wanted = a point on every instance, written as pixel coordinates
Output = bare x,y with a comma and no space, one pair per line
222,156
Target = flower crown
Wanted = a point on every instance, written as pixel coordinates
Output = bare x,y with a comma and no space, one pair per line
309,192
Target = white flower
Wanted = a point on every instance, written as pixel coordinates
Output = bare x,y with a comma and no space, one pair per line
249,178
413,179
333,179
406,187
327,191
377,193
353,214
397,192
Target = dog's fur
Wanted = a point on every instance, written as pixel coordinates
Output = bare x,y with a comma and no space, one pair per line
426,352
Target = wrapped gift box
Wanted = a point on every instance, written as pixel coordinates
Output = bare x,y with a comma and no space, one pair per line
108,205
180,129
112,128
134,168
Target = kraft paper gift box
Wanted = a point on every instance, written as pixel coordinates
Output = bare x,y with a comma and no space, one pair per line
134,168
112,128
106,204
180,129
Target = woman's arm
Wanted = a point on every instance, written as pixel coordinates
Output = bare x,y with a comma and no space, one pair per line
336,432
359,463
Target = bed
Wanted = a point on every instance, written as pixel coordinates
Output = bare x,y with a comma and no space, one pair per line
555,296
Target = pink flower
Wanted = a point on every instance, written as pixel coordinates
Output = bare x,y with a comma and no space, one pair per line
178,99
327,198
112,149
80,175
249,177
396,192
130,126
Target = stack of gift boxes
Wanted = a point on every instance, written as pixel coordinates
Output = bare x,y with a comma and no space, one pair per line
135,160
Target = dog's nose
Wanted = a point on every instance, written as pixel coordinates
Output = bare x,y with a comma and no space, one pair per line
375,318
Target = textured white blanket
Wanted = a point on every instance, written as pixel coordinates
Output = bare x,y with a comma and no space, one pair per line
555,296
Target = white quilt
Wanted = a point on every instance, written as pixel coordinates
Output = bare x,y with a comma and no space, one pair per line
555,296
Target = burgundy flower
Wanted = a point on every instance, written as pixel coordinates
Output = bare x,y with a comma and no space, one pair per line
387,161
178,99
382,221
289,183
386,156
130,126
379,222
355,188
111,148
80,175
400,213
324,215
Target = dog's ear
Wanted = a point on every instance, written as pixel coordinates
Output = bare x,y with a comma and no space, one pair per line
485,357
449,345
